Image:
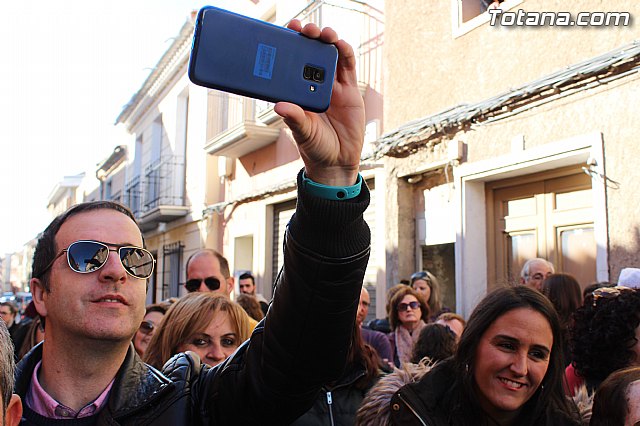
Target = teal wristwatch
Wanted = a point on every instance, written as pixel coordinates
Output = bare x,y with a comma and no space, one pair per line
332,192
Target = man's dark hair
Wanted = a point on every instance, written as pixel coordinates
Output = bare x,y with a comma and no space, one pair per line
46,249
7,366
247,275
12,307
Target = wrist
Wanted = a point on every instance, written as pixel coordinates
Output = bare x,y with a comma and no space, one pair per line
336,176
332,192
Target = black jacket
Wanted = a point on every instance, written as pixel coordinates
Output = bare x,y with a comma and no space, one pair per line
268,380
336,405
429,402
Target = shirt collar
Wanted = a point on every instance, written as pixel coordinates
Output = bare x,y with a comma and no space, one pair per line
42,403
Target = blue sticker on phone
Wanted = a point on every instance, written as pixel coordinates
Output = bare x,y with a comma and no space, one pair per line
265,58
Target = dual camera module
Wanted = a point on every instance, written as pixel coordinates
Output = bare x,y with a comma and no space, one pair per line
312,73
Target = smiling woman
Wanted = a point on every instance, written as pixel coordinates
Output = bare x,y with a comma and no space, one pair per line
507,370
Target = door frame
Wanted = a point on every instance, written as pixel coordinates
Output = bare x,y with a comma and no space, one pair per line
472,228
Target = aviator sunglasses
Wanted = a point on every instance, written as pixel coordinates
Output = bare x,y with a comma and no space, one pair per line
86,256
193,284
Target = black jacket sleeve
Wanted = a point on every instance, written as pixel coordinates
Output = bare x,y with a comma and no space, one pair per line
304,340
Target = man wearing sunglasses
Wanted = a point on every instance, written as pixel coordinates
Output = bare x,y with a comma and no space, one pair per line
89,282
208,270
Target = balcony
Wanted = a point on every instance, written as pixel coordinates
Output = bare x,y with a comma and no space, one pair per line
158,194
239,125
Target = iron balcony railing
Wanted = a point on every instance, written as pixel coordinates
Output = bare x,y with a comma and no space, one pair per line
160,184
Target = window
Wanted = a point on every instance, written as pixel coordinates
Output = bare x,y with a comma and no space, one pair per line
171,269
469,14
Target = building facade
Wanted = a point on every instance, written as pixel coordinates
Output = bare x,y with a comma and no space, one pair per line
509,142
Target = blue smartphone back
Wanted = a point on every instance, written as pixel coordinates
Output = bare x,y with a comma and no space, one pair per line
242,55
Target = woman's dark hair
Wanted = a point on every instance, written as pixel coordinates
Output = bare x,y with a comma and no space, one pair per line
394,321
563,290
46,249
591,287
610,401
549,399
31,338
603,333
436,341
360,353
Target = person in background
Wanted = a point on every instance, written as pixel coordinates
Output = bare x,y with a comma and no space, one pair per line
208,270
250,305
427,285
605,335
507,371
454,321
382,324
592,287
435,342
11,412
629,277
563,290
617,400
534,271
208,324
150,323
35,335
375,339
409,314
339,401
8,313
247,284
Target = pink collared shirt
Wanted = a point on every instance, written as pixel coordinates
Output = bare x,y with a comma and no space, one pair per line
42,403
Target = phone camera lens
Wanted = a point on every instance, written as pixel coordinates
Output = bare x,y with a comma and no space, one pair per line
318,75
307,73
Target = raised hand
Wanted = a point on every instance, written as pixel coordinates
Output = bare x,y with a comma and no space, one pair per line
330,144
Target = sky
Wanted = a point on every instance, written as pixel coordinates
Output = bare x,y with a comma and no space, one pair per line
68,67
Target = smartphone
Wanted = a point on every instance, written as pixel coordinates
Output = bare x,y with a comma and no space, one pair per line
249,57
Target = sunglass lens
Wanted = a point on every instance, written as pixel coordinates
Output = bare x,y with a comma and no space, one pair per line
87,256
192,285
212,283
146,327
137,261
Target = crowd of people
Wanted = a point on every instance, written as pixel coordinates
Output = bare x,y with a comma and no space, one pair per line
539,353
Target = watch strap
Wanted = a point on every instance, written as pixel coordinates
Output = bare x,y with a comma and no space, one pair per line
332,192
